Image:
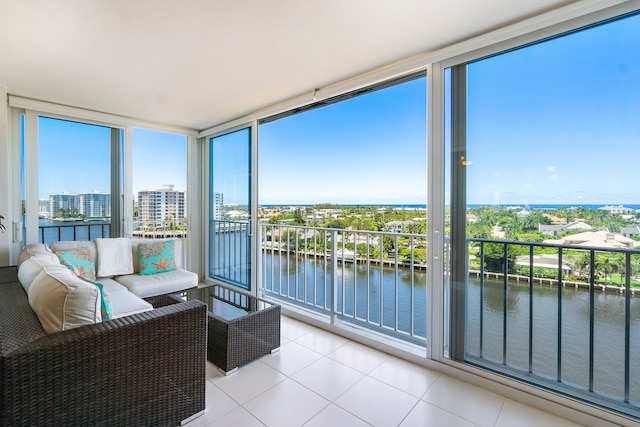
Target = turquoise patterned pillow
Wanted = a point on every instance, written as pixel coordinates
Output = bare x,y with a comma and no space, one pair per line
105,302
156,257
79,261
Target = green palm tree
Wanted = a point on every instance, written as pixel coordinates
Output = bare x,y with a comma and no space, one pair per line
603,264
583,263
618,266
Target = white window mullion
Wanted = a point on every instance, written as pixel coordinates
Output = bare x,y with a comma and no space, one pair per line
256,254
128,182
435,204
31,175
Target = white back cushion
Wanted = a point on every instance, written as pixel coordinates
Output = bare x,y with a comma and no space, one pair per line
62,301
31,267
114,257
34,249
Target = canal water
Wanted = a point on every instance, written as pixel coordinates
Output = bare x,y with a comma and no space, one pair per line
572,318
399,287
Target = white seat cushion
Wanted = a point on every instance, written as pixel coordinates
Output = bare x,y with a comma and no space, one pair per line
126,304
158,284
111,286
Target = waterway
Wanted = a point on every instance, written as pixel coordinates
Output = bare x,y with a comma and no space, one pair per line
313,285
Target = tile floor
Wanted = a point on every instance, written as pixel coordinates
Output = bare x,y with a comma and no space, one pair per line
321,379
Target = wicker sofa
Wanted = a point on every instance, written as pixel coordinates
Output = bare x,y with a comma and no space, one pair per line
142,369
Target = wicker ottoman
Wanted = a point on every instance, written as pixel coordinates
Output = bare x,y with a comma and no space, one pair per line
241,328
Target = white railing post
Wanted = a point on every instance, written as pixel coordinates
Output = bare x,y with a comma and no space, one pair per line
334,275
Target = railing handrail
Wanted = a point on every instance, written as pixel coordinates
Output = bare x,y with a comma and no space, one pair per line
344,230
557,245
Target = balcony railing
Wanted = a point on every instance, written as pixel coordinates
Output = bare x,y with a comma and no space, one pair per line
376,280
64,231
564,317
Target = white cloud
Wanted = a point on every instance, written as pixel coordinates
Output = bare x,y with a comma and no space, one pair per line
552,173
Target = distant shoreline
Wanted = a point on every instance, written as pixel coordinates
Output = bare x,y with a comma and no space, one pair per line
424,206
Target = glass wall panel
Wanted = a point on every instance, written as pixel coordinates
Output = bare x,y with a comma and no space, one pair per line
544,146
75,180
342,205
230,208
159,164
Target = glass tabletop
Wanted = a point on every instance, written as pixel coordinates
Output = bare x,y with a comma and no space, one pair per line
226,303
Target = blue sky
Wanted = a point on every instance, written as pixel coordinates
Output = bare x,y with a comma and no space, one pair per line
231,166
558,122
158,158
367,150
553,123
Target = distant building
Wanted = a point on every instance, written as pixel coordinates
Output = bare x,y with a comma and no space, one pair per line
555,229
616,210
156,206
398,226
218,205
94,204
555,219
43,208
629,230
62,202
601,239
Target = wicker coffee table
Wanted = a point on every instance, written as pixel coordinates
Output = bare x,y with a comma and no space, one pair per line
241,328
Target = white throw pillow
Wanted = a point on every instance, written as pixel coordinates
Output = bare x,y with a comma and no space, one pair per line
114,257
63,301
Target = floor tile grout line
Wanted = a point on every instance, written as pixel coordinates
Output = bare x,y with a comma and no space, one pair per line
504,401
454,413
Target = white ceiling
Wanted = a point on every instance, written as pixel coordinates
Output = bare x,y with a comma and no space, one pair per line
198,63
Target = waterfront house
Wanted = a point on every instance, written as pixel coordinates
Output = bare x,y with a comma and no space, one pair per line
600,239
630,230
398,226
208,70
553,229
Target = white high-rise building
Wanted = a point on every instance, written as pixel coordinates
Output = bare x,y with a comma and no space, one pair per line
43,208
156,206
94,204
64,202
218,203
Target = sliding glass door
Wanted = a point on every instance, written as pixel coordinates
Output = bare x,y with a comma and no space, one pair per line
230,208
